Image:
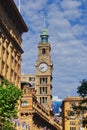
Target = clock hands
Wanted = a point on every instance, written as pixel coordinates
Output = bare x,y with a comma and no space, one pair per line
41,68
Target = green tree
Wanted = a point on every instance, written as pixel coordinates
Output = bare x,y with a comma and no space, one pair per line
9,96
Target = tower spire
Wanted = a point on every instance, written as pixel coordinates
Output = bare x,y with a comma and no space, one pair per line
44,35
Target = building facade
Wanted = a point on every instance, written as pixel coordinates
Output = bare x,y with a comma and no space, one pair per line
72,122
12,26
44,67
33,115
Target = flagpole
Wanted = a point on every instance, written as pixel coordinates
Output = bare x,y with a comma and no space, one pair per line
19,5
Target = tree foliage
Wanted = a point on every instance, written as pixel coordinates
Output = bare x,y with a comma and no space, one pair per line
82,89
9,96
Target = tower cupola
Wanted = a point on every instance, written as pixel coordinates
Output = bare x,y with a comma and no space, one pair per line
44,36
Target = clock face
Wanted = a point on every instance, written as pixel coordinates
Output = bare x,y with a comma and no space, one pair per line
43,67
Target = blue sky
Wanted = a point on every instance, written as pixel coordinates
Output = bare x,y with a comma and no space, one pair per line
66,22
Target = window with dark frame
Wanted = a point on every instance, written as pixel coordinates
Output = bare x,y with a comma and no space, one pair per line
43,51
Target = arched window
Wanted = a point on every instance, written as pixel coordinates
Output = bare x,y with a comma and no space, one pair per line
43,51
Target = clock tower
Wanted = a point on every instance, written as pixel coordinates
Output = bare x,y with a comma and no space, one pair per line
44,68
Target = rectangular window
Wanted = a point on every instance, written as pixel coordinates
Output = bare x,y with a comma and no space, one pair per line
43,80
72,128
7,68
7,54
29,78
72,104
72,122
3,64
43,90
40,99
3,50
43,100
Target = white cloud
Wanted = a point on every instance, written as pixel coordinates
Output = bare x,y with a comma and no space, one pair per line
79,30
72,14
70,4
55,98
71,9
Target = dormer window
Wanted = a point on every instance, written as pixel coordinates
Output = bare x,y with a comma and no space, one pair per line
43,51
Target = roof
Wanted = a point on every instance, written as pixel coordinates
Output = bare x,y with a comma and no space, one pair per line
72,98
44,32
25,83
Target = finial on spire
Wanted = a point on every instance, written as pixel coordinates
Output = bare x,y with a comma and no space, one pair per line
44,20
